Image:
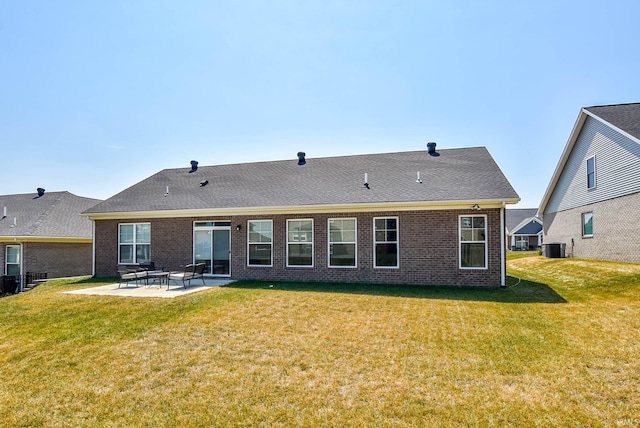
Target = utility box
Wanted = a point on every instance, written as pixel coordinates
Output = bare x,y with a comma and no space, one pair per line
9,284
554,250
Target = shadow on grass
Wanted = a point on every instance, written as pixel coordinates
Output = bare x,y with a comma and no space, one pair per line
515,292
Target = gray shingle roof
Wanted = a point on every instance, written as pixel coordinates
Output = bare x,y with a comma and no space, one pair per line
53,215
514,216
468,174
623,116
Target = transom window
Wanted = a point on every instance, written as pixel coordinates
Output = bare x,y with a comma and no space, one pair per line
473,241
300,242
385,242
591,172
342,242
260,242
134,243
587,224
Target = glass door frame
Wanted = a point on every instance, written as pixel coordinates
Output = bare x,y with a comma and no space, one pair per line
212,226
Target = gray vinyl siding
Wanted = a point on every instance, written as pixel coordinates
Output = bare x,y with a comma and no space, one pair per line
617,168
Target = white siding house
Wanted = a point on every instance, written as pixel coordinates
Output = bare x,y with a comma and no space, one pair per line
591,204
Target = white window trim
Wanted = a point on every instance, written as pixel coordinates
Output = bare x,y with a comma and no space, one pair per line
355,243
397,241
6,257
134,243
486,241
313,233
261,243
595,174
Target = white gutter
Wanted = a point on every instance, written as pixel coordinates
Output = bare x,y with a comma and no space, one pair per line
48,239
304,209
22,272
93,249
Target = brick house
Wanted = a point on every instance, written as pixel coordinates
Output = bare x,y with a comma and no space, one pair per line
44,233
592,202
421,217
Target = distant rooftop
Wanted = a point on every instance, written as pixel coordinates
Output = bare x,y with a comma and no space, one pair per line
52,215
515,216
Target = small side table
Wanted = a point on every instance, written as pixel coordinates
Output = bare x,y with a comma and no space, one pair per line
159,275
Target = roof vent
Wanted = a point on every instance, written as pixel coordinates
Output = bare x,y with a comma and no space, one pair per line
194,166
40,191
301,159
431,148
204,183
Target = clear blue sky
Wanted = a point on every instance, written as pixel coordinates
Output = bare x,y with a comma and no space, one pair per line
98,95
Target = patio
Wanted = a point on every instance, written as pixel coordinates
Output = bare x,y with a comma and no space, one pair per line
152,290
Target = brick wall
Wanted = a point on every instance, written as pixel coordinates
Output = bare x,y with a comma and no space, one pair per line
428,242
616,235
57,259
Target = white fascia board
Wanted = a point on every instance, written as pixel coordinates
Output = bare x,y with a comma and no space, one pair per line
573,137
307,209
47,239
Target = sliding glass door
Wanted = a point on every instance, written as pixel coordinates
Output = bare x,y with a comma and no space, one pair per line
212,246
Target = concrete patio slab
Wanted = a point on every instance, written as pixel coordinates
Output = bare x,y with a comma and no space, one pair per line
153,290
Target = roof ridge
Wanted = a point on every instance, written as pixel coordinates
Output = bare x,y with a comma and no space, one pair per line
612,105
397,152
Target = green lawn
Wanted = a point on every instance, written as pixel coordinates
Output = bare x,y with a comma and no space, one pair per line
558,347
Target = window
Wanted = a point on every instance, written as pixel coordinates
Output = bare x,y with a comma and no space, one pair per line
134,242
587,224
260,242
12,266
385,242
342,242
591,172
473,242
300,242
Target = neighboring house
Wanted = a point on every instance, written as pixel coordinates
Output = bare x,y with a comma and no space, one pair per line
524,229
44,233
421,217
592,202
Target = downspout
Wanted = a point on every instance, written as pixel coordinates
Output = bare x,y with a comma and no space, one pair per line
503,261
22,276
93,248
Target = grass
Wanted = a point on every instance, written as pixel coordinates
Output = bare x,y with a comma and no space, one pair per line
558,347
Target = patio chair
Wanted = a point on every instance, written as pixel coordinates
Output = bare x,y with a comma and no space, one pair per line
191,271
131,273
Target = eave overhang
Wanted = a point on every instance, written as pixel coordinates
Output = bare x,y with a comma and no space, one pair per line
46,239
308,209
